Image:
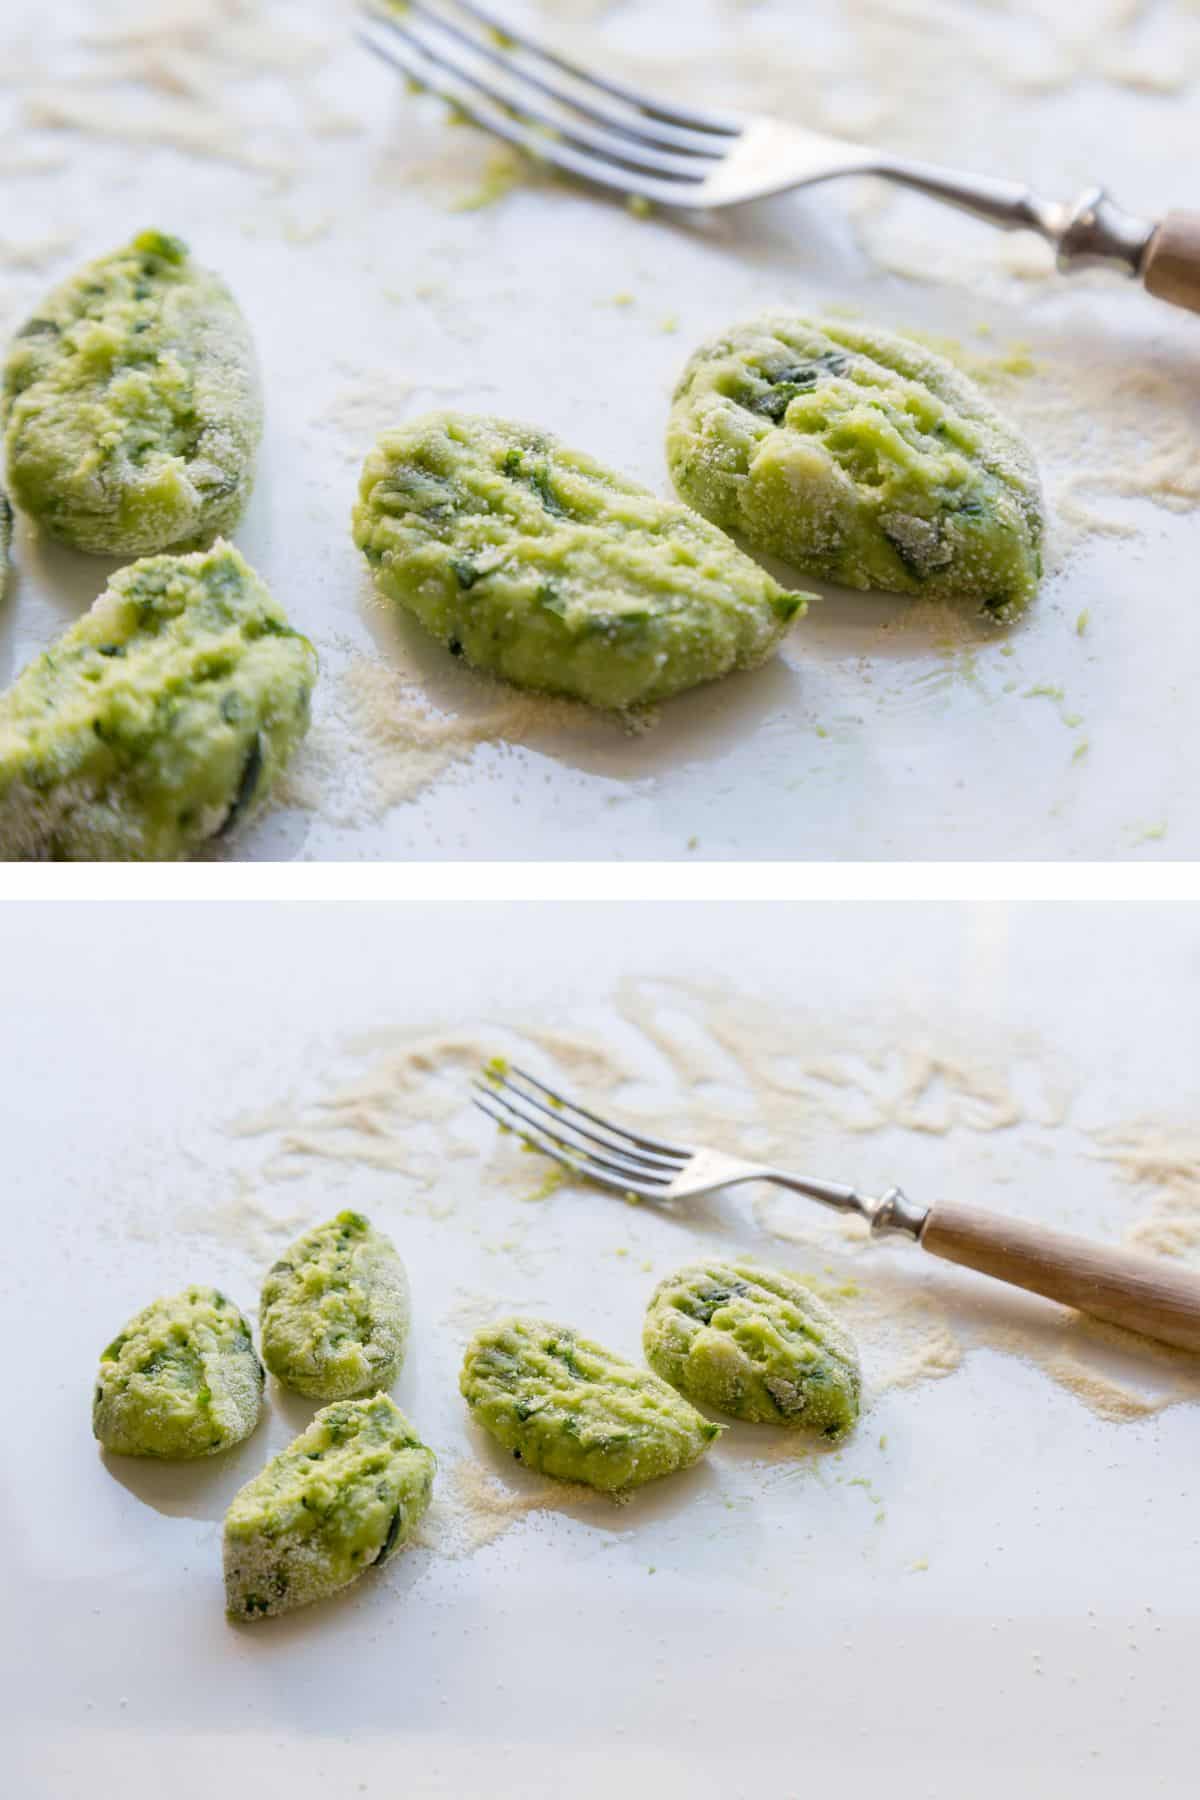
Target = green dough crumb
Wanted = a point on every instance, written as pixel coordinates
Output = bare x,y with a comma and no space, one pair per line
335,1311
539,564
343,1498
859,457
549,1184
504,170
157,723
571,1409
755,1344
181,1380
133,407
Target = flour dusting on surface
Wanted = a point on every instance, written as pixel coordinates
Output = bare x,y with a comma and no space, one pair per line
380,740
702,1064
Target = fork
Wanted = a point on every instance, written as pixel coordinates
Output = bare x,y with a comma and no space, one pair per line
561,113
1137,1292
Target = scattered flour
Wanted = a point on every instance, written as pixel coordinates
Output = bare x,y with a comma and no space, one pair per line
936,1354
1165,1161
1106,1398
380,740
472,1507
36,253
246,1218
224,80
696,1062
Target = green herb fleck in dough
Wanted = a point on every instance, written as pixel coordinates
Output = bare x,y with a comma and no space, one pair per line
5,541
859,457
569,1408
335,1311
132,404
181,1380
343,1498
755,1344
537,563
159,722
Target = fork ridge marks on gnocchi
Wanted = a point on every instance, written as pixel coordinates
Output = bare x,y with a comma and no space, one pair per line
859,457
335,1311
569,1408
181,1379
755,1344
342,1498
159,722
133,412
539,564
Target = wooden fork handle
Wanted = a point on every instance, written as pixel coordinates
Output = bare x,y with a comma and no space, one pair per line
1171,266
1139,1292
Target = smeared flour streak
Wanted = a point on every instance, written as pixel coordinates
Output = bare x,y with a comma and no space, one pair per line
703,1064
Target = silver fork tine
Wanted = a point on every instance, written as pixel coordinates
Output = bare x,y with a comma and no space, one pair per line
628,124
578,1164
636,152
404,52
616,1139
648,104
621,1166
643,1141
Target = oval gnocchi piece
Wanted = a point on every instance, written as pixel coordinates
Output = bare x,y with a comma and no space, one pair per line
335,1311
755,1344
859,457
132,405
181,1380
569,1408
542,566
159,722
341,1499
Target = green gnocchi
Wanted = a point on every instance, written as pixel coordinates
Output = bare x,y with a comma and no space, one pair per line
181,1380
755,1344
159,722
132,405
335,1311
538,564
569,1408
343,1498
859,457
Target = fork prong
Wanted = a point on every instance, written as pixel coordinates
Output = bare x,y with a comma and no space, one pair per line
548,128
486,43
616,1139
576,1164
641,1139
399,50
692,118
658,1179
